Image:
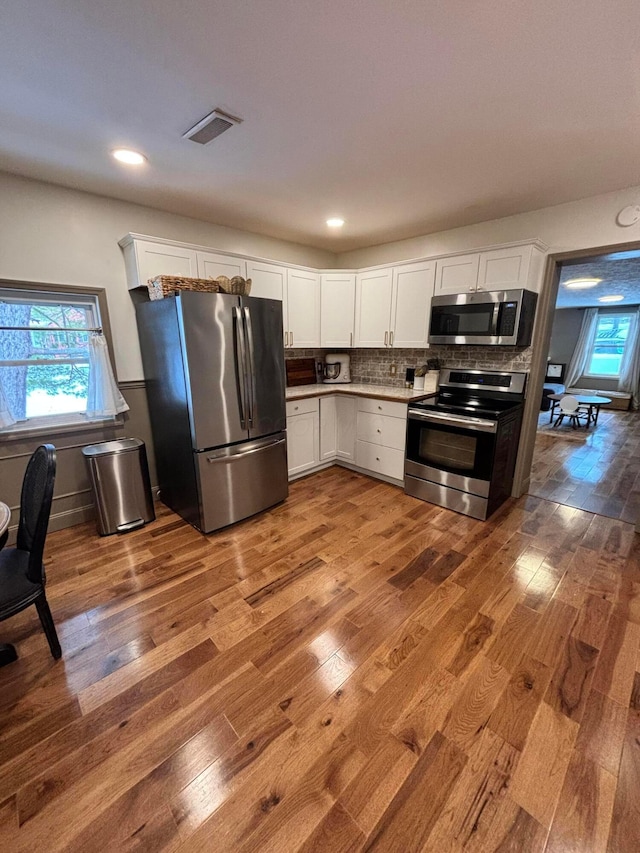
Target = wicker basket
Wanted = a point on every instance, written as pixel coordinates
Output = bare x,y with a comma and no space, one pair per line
237,285
168,285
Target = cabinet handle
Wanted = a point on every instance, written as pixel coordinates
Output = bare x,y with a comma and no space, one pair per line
390,339
291,333
351,339
386,339
286,339
472,288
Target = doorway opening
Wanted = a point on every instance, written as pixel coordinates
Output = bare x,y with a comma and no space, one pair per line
586,452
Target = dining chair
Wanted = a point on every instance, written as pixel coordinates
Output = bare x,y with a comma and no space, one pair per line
22,574
569,408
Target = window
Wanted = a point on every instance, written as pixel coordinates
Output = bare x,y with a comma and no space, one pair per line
608,346
44,353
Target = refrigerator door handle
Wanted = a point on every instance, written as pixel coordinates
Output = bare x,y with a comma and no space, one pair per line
241,362
231,456
252,366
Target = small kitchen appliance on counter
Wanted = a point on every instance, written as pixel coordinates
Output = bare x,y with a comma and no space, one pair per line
462,444
336,368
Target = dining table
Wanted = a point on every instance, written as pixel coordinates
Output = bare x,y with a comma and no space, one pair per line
7,651
591,402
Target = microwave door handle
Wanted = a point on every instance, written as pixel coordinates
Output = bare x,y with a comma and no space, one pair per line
241,359
252,366
495,322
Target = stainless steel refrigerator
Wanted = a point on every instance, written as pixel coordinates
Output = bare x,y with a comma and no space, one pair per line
214,366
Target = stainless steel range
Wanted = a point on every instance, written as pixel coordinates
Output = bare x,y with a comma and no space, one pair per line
462,445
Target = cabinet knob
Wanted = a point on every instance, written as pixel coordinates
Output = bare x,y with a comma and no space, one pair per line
377,458
380,408
295,408
472,288
378,430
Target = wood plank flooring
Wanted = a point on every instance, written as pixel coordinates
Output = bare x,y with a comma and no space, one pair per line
600,474
353,670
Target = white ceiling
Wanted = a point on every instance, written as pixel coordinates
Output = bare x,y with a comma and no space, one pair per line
404,118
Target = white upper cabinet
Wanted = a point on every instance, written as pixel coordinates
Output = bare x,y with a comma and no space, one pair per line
457,274
337,309
211,265
145,260
374,292
303,309
502,269
412,291
268,281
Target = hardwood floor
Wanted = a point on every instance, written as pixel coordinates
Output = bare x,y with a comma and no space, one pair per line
354,670
600,474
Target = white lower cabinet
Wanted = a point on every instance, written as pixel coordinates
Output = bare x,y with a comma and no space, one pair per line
360,431
380,437
346,428
328,428
303,446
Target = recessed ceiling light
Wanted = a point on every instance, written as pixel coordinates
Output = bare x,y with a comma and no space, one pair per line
335,222
131,158
580,283
610,298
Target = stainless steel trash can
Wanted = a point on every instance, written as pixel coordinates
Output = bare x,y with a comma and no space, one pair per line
120,480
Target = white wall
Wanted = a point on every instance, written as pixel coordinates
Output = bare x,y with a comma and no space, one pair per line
53,234
576,225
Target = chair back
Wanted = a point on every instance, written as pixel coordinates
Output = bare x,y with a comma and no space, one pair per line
35,508
569,404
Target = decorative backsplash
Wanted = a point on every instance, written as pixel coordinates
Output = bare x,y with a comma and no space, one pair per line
371,366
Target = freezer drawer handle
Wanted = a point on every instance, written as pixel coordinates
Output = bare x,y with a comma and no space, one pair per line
233,456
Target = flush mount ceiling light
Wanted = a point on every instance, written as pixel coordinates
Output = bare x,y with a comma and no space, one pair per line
580,283
335,222
131,158
610,298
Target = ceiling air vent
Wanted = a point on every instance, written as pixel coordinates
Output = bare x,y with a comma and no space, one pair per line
211,126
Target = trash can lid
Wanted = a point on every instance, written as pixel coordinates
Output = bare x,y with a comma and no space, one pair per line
110,447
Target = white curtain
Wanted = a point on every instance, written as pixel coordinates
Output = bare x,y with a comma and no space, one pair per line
6,418
582,353
630,367
103,398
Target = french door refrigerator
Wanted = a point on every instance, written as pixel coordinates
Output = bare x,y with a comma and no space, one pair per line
214,366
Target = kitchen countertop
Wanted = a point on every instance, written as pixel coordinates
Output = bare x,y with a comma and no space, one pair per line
356,389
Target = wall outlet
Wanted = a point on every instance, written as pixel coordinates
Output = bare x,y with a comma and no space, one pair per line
393,369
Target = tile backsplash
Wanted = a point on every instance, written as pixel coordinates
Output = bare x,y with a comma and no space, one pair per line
371,366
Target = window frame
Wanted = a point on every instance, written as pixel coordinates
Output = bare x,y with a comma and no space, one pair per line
71,422
601,316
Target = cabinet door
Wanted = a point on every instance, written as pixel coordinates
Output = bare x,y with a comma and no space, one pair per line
302,443
346,428
269,281
337,309
373,308
327,428
152,259
503,269
412,292
211,265
457,274
303,308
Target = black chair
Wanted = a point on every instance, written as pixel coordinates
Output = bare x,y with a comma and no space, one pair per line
22,575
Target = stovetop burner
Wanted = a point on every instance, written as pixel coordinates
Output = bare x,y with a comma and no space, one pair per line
477,393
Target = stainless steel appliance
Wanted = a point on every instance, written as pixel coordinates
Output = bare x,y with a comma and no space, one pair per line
337,368
496,318
462,445
214,366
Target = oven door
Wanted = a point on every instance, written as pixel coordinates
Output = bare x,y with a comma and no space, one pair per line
450,450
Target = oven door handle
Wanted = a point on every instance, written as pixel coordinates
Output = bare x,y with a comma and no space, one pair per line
474,424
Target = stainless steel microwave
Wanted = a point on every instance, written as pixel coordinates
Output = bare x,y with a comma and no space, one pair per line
493,318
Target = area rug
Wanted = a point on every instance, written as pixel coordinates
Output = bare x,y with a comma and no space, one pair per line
563,431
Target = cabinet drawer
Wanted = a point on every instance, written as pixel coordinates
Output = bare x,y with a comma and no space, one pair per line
302,407
382,407
382,460
380,429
